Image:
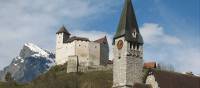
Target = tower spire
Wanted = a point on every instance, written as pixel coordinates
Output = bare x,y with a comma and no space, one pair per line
128,24
127,50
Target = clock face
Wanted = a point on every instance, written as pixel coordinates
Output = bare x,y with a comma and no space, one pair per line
120,44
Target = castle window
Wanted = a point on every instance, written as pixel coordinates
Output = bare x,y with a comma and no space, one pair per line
95,47
79,45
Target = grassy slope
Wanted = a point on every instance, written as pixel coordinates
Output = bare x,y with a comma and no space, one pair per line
58,78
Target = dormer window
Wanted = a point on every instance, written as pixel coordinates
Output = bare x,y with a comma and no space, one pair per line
134,34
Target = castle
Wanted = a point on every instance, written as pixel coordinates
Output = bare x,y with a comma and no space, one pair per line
84,51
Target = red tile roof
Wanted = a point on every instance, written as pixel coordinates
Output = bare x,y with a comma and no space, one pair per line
150,65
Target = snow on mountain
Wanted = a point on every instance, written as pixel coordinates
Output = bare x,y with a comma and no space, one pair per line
31,62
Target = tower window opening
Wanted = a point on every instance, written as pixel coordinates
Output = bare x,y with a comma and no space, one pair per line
131,45
138,47
134,47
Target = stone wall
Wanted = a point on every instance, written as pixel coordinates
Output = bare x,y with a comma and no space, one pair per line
63,51
72,65
104,54
127,66
119,65
134,70
82,51
95,68
94,53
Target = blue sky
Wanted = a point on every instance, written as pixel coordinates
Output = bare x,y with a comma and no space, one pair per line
170,28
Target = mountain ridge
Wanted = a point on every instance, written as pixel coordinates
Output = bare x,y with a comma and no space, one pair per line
31,62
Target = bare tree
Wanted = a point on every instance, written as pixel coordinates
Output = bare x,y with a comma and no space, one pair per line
8,77
10,80
166,67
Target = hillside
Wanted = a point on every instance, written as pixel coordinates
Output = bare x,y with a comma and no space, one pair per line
58,78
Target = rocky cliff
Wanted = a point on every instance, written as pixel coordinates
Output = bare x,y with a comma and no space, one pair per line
31,62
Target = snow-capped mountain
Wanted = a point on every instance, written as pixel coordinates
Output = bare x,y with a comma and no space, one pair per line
31,62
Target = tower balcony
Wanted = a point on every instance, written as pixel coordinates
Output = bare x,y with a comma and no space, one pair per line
133,52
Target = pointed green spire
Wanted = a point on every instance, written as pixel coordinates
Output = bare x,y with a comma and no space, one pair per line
128,24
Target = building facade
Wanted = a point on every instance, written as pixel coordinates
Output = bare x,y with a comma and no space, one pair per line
88,52
128,50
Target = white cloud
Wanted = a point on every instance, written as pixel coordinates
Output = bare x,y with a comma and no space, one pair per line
184,59
168,49
188,60
37,21
154,34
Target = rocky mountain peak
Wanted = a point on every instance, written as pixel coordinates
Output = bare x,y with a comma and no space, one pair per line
31,49
31,62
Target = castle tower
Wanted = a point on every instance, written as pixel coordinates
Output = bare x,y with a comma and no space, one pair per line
128,50
61,36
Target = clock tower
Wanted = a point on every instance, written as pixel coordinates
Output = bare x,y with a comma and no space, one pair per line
127,50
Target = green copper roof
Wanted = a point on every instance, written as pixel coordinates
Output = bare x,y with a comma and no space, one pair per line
128,24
